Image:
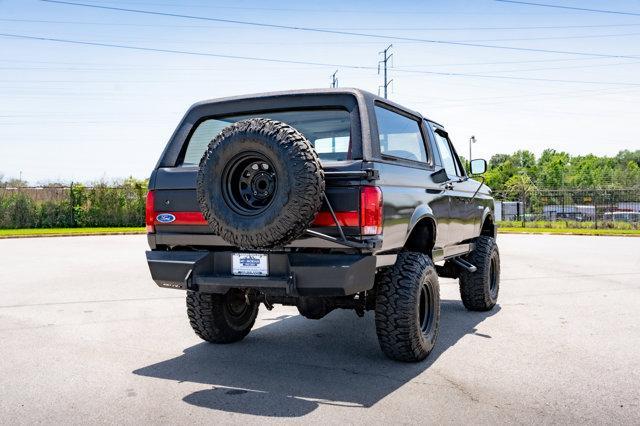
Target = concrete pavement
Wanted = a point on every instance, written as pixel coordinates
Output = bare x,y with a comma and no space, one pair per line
86,337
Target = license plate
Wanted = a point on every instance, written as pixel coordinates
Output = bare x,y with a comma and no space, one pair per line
251,264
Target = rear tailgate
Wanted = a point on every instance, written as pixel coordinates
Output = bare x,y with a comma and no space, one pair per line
179,222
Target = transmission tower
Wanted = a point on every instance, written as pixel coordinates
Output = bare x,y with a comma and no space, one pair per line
385,62
334,79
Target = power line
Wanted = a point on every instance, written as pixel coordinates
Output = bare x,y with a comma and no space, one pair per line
533,97
557,6
111,64
286,61
40,21
360,11
350,33
499,62
182,52
405,28
208,69
555,37
562,68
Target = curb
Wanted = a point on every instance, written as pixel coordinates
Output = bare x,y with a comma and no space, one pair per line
568,233
80,234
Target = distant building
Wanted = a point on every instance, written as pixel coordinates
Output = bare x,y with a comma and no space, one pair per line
575,212
508,210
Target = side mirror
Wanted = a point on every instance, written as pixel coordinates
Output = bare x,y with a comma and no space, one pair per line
440,176
478,166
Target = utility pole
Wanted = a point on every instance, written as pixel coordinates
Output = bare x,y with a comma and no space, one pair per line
334,80
472,140
386,56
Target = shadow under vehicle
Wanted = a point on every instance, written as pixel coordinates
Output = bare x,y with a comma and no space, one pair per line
292,366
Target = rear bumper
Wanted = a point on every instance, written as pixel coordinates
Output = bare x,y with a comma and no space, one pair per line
291,274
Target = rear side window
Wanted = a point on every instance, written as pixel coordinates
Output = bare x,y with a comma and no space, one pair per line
400,136
328,130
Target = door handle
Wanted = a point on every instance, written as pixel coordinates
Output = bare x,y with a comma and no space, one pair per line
434,191
448,185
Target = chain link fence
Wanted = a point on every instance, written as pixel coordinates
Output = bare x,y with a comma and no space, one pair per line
120,206
73,206
583,208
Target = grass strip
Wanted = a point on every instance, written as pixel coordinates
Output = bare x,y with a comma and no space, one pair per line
570,231
63,232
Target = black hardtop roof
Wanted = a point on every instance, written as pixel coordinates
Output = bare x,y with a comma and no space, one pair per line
358,93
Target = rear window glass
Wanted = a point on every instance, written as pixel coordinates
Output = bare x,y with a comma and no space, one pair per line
329,131
400,136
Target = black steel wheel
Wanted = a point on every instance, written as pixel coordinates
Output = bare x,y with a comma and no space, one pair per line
426,309
250,183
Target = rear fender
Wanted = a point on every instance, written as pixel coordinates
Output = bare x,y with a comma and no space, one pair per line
421,215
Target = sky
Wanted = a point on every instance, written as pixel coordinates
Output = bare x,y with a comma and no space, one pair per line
559,78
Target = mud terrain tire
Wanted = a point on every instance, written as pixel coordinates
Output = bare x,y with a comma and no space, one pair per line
408,307
479,289
260,184
221,318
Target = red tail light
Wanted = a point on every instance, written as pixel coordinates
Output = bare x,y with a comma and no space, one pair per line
370,210
369,219
324,218
150,212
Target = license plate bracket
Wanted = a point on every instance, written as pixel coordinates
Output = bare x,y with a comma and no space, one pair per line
250,264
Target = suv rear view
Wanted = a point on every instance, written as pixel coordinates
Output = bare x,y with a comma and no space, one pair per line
320,199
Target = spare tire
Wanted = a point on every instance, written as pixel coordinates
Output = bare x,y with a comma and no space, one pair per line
260,184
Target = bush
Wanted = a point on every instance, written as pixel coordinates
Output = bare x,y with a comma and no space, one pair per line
569,224
18,211
53,214
101,205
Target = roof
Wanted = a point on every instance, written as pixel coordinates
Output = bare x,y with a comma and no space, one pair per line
358,93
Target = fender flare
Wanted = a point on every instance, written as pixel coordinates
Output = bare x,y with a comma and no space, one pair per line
488,214
421,213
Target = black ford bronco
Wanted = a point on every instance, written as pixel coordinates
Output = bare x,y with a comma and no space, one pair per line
319,199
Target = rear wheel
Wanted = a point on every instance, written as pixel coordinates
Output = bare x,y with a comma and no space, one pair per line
479,289
221,318
408,307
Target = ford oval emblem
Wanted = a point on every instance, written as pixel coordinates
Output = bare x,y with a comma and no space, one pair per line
165,218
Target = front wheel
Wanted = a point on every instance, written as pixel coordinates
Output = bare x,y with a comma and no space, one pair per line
221,318
408,307
479,289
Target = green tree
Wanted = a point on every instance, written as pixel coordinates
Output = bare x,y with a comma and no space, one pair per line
520,185
496,177
553,170
498,159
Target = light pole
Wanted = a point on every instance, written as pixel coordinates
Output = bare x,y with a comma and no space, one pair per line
472,140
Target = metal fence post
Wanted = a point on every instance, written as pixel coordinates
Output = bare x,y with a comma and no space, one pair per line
595,209
72,202
524,210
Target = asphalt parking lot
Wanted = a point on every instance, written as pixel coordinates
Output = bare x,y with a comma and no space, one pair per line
88,338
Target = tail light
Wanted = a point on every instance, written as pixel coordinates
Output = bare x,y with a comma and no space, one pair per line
324,218
150,212
370,210
369,219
